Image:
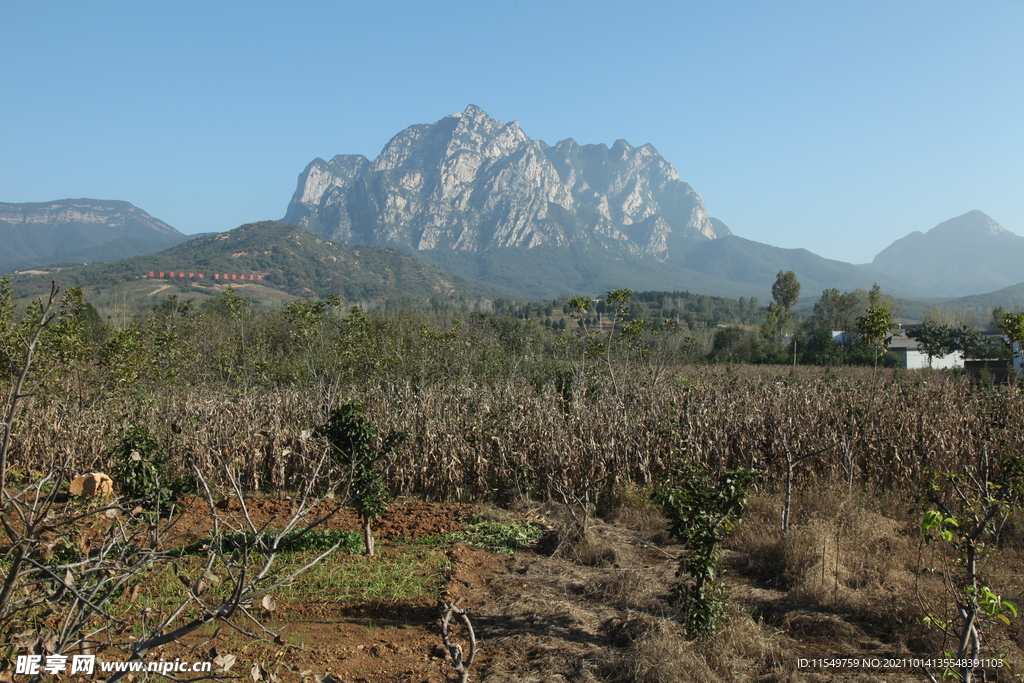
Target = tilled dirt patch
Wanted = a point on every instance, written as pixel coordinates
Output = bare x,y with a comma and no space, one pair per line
411,519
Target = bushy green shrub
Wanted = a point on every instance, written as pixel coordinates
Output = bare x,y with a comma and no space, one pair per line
140,471
362,455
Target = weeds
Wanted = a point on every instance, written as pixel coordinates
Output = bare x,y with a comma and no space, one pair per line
400,577
504,537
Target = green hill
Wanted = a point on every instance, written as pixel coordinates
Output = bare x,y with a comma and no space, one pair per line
270,261
1010,298
745,261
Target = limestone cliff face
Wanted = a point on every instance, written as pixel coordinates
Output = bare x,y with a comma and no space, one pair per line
470,183
116,215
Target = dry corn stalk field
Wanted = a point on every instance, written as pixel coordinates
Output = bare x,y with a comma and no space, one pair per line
846,578
491,444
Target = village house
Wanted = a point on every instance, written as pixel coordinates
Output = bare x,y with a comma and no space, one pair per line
913,356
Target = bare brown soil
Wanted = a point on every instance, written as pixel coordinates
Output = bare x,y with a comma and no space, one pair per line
411,519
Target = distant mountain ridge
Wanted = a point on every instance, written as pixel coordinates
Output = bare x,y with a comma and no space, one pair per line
69,230
741,260
967,255
481,199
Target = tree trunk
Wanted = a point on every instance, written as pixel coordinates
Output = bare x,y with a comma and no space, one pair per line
368,537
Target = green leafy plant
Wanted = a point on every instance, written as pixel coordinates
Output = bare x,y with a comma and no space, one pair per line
779,316
500,536
937,340
298,541
875,330
140,470
702,511
1013,331
966,513
363,454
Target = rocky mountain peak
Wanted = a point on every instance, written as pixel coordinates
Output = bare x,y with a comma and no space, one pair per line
469,182
472,112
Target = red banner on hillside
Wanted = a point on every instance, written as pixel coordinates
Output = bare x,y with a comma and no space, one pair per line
216,276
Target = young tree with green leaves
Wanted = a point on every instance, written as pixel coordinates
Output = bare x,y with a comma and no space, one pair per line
874,331
968,511
836,311
876,299
364,456
936,340
702,512
1013,333
972,344
995,321
779,317
786,290
624,337
21,342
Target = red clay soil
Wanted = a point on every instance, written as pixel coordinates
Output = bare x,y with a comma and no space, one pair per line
410,520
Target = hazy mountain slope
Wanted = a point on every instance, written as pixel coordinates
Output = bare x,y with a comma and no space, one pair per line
546,272
1008,297
79,230
965,255
745,261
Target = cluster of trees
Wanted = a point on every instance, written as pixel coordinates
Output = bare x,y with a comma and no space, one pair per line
561,343
854,328
228,340
768,343
684,308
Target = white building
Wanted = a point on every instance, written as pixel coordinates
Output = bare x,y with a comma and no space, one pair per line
914,357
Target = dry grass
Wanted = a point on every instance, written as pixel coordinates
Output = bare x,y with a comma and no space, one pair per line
625,587
634,509
836,552
659,654
757,540
656,650
579,540
851,569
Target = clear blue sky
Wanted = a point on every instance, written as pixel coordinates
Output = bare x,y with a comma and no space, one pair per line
834,126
